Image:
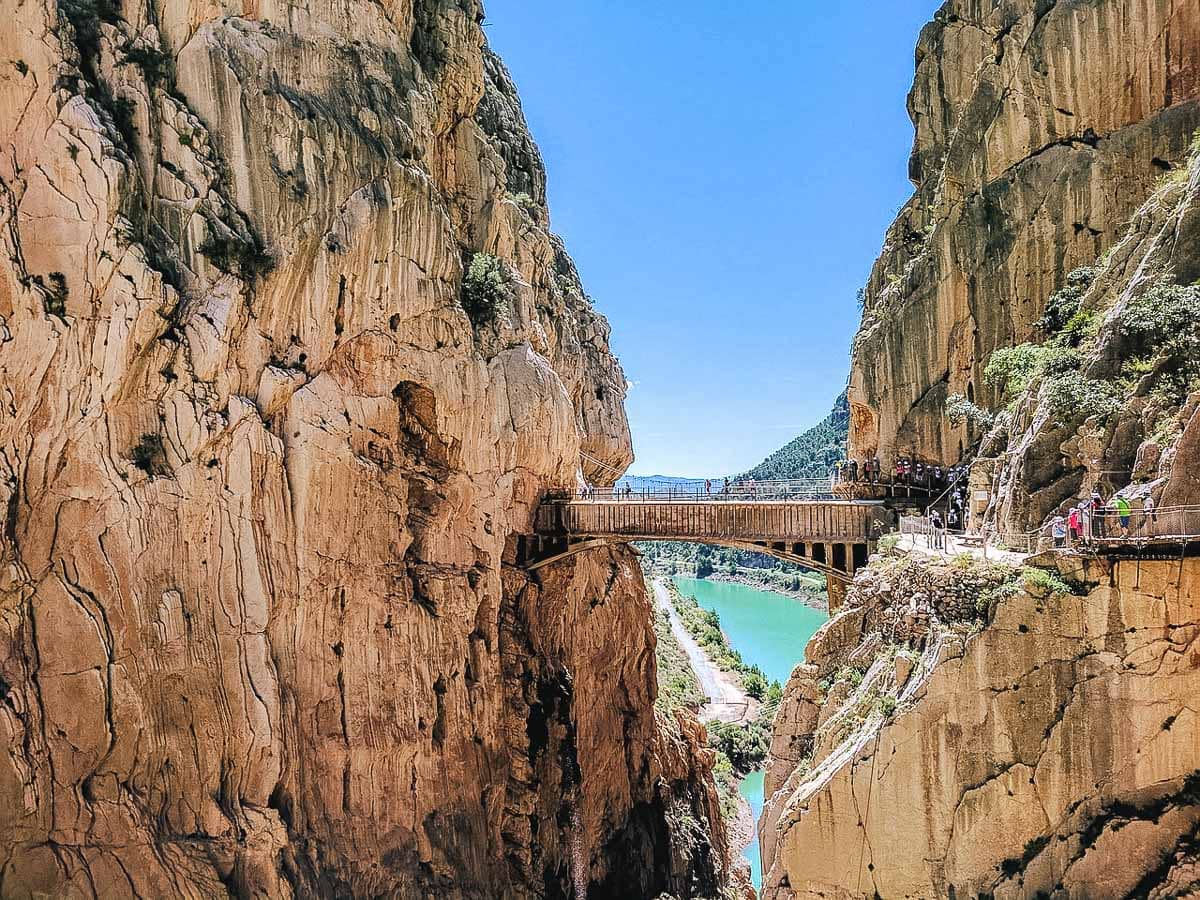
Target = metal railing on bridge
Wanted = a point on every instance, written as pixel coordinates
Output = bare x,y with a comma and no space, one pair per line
692,492
1168,525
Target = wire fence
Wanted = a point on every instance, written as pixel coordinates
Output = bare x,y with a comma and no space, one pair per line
1171,524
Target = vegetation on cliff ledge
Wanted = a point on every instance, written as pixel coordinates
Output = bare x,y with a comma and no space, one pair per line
487,290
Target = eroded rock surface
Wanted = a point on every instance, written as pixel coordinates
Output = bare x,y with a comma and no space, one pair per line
1040,128
263,477
1053,752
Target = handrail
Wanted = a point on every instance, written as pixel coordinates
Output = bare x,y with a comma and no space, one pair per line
1105,528
808,489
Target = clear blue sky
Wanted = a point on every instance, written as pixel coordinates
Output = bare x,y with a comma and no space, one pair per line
723,175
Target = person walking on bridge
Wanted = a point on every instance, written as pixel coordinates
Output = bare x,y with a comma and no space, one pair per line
707,486
1074,527
1149,513
1096,504
853,465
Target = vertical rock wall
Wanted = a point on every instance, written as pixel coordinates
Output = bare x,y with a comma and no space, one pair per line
262,474
1054,752
1040,127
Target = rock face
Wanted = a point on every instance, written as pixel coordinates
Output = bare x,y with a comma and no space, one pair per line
287,357
1054,752
1040,128
1047,458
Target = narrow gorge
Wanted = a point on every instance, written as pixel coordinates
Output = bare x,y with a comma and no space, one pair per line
292,364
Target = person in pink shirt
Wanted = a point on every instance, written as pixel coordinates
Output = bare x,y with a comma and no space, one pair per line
1074,525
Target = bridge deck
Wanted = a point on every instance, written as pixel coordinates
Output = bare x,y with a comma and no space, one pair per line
827,535
764,520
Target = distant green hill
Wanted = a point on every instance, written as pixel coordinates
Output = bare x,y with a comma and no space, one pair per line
812,454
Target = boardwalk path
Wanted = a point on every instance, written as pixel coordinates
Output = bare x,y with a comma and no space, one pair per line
727,701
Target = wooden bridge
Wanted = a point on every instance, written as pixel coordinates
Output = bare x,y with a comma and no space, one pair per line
834,537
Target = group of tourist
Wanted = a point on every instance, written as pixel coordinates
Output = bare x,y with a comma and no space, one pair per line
934,477
1092,519
908,471
869,471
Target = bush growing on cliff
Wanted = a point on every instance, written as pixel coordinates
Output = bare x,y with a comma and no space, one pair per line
1073,398
1165,319
1012,369
1063,307
959,409
149,454
487,290
755,685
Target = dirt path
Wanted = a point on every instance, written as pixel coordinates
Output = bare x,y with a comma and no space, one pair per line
727,702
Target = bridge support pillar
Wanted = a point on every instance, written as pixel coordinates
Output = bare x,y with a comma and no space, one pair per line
835,590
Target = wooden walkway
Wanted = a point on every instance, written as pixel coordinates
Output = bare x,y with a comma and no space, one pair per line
831,536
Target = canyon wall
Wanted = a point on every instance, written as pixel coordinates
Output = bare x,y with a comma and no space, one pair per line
1117,411
1040,743
1040,128
287,356
965,728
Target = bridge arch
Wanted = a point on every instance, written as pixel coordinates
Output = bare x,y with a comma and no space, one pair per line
834,560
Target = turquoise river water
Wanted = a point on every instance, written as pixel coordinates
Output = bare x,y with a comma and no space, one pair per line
770,631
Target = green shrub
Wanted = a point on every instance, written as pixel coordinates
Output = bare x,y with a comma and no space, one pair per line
1138,367
853,676
55,298
1064,305
1081,328
1165,319
1060,360
1012,369
745,745
887,704
527,204
149,455
1044,580
487,289
1074,398
959,409
156,65
755,685
245,258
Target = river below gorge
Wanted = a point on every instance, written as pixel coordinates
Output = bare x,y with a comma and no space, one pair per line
769,630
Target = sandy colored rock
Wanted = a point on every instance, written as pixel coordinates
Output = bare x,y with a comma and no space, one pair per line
1040,128
1056,754
260,632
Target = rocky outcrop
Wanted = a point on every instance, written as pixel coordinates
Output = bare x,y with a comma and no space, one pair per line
1040,128
1054,751
1137,430
287,357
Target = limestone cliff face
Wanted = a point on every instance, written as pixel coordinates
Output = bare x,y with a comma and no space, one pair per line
263,475
1042,458
1040,128
1039,744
